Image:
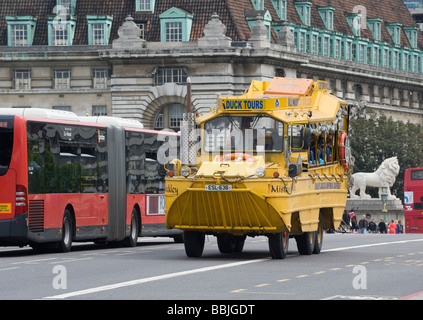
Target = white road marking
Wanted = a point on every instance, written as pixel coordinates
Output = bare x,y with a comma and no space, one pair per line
150,279
205,269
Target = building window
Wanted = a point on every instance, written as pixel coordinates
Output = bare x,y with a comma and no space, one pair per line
175,115
22,79
354,20
62,108
394,30
169,116
100,77
99,111
280,7
68,5
99,28
62,79
145,5
20,30
170,75
173,31
411,33
375,28
304,11
61,32
258,4
175,25
142,25
326,13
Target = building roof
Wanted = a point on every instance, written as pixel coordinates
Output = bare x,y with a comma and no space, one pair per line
232,13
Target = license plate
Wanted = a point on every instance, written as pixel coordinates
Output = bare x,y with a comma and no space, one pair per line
218,187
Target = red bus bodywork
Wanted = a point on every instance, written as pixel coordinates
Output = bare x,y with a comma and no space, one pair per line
98,199
413,200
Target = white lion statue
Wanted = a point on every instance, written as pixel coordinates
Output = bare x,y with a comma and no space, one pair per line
384,176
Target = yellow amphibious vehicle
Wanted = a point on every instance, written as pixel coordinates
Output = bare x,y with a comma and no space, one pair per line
271,162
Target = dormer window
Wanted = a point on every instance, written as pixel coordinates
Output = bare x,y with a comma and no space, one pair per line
326,13
175,25
394,30
61,31
375,26
20,31
67,5
258,4
354,20
304,11
280,7
99,28
411,33
145,5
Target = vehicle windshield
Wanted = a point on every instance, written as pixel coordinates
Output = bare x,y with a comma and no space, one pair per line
6,144
243,134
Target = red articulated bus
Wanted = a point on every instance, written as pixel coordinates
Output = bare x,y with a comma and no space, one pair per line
65,178
413,200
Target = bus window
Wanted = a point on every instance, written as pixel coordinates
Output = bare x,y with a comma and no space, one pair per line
6,145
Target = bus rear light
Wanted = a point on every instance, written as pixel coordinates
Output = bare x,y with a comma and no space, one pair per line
21,204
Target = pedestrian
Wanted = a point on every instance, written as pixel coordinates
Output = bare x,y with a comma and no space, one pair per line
363,224
382,226
354,226
400,227
372,226
392,227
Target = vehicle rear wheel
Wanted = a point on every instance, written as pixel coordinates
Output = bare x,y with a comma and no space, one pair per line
132,240
194,243
225,243
67,231
318,241
305,243
278,244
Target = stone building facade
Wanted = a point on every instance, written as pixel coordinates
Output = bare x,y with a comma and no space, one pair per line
132,58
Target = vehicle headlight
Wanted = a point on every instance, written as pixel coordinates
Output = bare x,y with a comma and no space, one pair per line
185,171
260,172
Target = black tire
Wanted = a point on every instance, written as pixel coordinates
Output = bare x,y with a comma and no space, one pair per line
278,245
179,238
132,240
67,232
225,243
305,243
318,241
239,244
194,243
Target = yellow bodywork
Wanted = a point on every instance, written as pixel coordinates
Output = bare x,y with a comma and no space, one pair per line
275,202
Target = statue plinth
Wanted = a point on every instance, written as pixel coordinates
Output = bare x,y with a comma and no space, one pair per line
373,207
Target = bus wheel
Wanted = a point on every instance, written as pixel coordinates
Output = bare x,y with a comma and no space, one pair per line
305,243
278,245
194,243
132,240
318,241
67,231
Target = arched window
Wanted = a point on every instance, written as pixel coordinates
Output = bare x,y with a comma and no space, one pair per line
169,116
